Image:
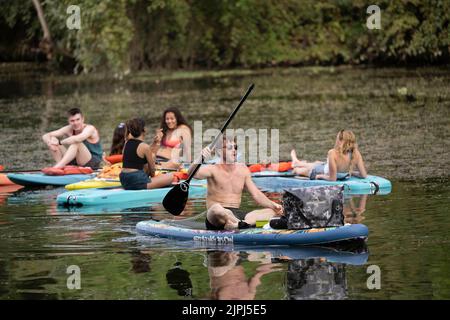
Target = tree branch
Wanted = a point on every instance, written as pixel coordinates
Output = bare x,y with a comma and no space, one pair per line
46,43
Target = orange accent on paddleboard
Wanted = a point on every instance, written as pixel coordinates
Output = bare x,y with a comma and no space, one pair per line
177,176
66,170
281,167
115,158
4,181
256,167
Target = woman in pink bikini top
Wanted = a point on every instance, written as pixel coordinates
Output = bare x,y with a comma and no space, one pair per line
176,138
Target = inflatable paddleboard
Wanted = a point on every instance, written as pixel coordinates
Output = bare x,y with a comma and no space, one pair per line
40,179
95,197
353,185
255,236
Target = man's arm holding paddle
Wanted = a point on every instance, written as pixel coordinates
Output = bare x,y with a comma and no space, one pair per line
204,172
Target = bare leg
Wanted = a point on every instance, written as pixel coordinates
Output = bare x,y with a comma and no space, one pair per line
170,165
218,215
161,181
57,152
304,171
295,161
76,151
261,214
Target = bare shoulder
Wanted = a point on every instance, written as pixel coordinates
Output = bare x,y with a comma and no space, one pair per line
209,169
332,153
357,154
243,169
144,147
90,127
184,129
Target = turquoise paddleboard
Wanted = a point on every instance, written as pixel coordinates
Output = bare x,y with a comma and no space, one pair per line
97,197
353,185
40,179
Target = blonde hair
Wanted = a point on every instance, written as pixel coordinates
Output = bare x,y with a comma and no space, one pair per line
348,140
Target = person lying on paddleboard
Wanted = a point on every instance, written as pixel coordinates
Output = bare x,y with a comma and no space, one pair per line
82,141
341,160
225,182
176,138
137,155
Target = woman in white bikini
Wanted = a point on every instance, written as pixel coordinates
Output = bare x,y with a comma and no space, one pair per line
341,161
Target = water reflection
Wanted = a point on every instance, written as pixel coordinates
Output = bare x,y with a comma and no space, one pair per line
5,192
316,279
228,279
140,261
135,207
354,208
179,280
312,272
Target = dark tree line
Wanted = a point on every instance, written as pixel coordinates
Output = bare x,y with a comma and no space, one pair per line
125,35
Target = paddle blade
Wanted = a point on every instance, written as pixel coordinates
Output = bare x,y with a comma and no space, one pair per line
175,200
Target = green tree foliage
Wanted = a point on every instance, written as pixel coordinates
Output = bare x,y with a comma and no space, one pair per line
121,34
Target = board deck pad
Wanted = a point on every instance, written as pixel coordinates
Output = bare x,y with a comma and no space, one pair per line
255,236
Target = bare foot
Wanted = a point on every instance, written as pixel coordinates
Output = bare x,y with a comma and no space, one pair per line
295,161
231,225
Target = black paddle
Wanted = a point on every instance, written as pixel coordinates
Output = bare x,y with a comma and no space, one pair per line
175,199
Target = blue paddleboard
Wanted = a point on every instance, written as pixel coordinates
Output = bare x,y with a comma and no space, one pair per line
353,185
254,236
40,179
97,197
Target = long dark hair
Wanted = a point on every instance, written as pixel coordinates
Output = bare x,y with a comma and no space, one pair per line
180,119
118,139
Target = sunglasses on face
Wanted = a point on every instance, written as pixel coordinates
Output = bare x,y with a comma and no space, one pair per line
231,146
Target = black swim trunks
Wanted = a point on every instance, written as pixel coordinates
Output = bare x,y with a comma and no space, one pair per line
238,213
94,163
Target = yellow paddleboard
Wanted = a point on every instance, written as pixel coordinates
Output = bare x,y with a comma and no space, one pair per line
101,182
94,183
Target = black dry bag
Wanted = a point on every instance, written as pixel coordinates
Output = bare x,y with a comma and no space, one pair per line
314,207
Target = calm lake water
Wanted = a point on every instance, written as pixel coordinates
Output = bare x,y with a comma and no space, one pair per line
401,120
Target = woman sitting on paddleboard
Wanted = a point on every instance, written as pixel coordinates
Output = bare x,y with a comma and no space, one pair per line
118,141
176,138
137,155
341,161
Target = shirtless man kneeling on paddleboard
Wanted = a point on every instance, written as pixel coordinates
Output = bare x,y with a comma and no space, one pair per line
83,141
226,181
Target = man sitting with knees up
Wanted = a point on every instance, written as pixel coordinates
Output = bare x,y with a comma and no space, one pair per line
75,144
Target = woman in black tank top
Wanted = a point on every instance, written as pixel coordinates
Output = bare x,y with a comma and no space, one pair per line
139,160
